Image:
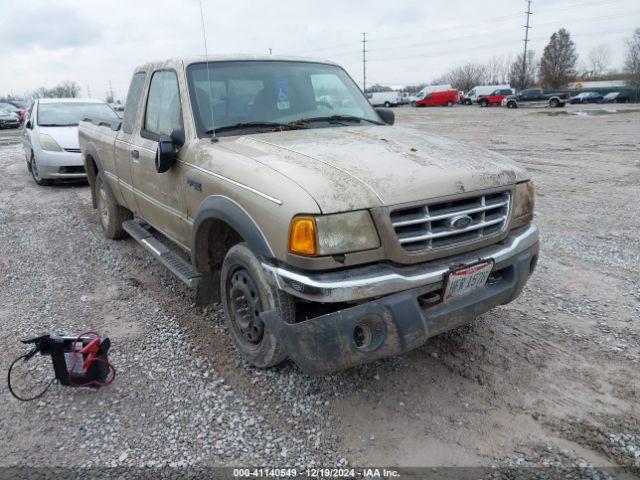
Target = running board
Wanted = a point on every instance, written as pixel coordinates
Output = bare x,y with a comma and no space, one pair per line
176,264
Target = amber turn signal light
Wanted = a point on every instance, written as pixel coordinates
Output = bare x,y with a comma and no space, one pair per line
302,236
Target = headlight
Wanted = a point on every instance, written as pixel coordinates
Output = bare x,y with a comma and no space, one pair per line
332,234
524,202
48,143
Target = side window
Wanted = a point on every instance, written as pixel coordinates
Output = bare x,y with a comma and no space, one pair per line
133,102
164,113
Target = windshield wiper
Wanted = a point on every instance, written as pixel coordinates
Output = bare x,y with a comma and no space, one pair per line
239,126
335,118
57,124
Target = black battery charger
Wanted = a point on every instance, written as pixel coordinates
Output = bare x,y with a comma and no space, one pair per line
80,361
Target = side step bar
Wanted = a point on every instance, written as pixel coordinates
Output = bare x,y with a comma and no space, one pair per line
176,264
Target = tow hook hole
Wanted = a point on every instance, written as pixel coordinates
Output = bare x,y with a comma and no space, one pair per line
495,277
369,333
533,264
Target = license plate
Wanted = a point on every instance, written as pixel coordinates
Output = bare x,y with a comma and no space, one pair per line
467,279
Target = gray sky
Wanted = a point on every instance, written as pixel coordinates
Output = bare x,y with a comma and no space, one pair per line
44,42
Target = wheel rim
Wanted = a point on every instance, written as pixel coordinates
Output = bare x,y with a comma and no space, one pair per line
34,169
245,306
102,207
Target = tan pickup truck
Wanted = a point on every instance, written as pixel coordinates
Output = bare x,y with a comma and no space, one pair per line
329,236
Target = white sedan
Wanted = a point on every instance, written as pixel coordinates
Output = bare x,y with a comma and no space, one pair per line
51,136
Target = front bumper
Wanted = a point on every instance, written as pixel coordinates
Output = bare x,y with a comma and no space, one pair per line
52,164
376,280
396,323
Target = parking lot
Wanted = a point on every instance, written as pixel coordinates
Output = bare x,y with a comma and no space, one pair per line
549,379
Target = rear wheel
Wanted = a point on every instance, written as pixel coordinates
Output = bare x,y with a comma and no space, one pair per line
484,103
554,102
387,104
35,173
449,103
245,294
111,214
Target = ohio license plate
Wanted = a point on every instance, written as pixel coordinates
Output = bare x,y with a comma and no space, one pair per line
467,279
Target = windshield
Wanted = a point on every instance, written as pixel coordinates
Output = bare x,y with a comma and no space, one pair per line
61,114
275,92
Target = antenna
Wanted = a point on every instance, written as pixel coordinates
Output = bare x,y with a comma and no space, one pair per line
364,62
206,56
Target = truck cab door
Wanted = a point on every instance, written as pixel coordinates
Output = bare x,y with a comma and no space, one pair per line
159,196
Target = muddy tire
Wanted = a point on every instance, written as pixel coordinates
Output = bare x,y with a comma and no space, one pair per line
111,214
33,168
245,294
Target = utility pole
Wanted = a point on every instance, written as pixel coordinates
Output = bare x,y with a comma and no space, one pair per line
270,50
88,91
364,61
526,40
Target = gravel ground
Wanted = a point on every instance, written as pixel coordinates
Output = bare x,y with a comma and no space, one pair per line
549,380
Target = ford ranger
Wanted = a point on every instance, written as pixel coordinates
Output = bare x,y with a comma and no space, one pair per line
329,236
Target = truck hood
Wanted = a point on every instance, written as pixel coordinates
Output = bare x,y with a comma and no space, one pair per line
348,168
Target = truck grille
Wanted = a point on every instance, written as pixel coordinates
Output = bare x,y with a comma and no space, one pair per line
429,227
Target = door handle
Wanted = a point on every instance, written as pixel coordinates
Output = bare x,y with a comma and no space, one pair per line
135,154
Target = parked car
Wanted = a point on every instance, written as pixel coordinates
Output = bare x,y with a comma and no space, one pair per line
474,94
587,97
22,106
50,137
329,236
441,99
9,107
616,97
495,97
386,99
9,119
537,97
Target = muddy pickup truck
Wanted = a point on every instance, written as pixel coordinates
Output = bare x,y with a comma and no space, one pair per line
329,236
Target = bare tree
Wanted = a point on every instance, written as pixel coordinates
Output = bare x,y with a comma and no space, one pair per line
68,89
558,63
497,70
522,75
599,60
467,76
632,60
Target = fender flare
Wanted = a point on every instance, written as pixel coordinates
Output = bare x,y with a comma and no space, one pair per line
218,207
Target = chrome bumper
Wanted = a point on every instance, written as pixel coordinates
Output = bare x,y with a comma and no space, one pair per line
360,283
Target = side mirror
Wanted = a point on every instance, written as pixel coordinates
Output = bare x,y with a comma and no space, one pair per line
387,115
165,154
28,125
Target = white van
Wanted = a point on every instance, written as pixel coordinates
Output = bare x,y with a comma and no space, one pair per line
475,92
386,99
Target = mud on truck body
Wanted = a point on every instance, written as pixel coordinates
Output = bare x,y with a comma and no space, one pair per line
329,236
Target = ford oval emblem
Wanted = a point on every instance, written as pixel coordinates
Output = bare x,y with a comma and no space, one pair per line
460,222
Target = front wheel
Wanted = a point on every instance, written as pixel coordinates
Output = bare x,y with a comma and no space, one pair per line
387,104
554,103
35,173
467,102
512,105
484,103
245,294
